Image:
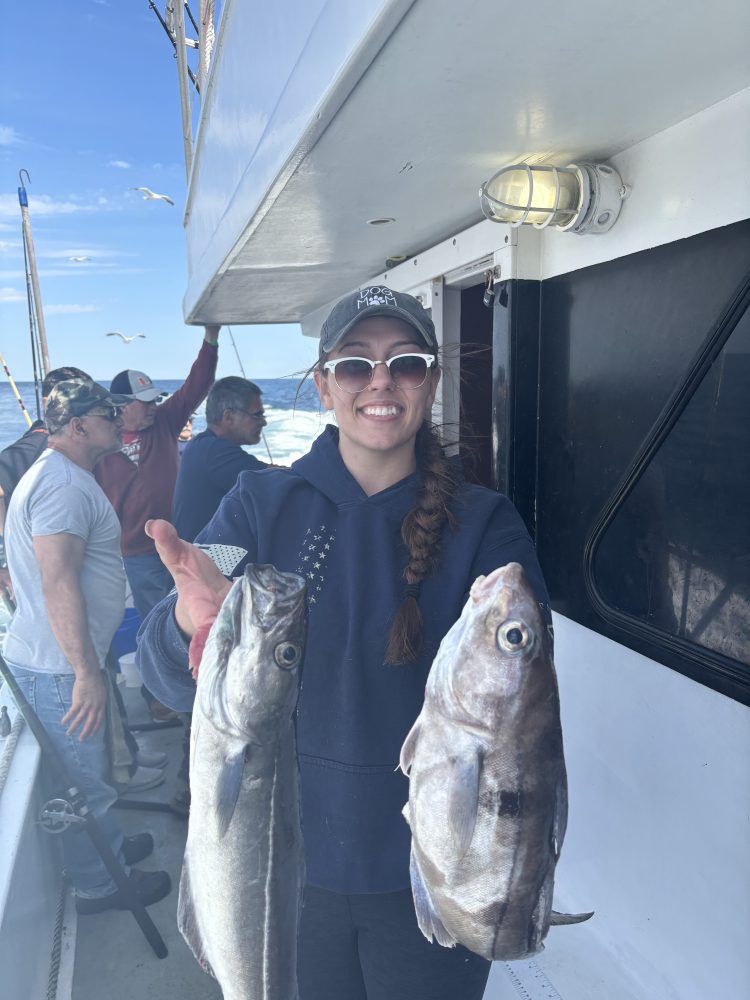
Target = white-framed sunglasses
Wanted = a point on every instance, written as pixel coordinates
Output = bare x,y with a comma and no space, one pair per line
408,371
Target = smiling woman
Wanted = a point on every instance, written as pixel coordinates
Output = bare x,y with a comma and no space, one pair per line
380,405
388,539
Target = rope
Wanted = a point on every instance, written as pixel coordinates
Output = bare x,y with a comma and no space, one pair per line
205,40
54,962
239,362
9,748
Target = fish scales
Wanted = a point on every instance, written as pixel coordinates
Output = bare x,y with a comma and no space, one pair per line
487,785
243,871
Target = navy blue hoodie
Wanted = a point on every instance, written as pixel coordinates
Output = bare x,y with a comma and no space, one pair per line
354,712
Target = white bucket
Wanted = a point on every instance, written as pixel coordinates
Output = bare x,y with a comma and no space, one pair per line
129,670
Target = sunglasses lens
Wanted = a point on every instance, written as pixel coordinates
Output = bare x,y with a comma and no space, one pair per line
353,374
106,413
409,371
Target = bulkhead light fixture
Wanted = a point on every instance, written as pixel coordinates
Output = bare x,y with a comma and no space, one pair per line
580,198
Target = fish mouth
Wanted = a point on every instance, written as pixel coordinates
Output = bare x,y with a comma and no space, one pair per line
510,575
275,594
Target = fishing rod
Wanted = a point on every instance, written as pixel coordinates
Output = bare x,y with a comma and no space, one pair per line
72,810
32,335
239,362
16,393
35,300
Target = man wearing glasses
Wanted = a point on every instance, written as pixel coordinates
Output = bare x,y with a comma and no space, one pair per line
209,468
18,457
212,461
64,559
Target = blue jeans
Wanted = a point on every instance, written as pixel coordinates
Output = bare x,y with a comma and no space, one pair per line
149,581
87,762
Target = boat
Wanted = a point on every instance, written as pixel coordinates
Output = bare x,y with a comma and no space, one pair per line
601,376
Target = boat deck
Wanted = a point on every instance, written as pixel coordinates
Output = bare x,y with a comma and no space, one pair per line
112,956
107,954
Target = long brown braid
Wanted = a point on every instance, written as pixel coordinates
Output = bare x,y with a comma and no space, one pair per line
421,531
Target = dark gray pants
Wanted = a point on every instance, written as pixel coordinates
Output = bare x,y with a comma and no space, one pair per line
369,947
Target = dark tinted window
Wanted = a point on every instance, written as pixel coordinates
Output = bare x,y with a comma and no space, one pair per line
674,554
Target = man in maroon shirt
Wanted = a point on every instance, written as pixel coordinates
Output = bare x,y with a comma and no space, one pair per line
139,480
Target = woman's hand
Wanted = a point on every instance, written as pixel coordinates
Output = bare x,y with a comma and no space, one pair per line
201,587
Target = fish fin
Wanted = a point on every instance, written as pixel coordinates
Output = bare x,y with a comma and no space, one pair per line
228,788
429,923
406,758
405,812
187,923
558,919
464,801
561,818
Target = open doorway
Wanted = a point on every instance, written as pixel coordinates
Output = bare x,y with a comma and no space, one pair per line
475,421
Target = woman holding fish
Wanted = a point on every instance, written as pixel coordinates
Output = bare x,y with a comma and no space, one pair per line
389,540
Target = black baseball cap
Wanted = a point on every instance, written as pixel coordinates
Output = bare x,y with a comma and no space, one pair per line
377,300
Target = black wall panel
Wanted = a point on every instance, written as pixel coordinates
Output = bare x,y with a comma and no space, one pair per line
615,341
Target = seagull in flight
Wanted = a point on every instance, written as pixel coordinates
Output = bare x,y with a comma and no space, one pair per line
79,260
149,195
125,340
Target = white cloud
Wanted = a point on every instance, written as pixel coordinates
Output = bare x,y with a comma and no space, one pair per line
42,204
11,295
9,247
59,310
65,253
8,136
72,271
120,164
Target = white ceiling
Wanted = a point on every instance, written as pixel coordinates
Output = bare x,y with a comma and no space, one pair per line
459,90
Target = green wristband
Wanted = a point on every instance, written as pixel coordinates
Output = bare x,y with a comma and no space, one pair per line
213,343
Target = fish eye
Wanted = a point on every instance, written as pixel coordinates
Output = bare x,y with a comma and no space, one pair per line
512,636
287,655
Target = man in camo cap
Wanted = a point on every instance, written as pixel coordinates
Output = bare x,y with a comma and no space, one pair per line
64,558
21,455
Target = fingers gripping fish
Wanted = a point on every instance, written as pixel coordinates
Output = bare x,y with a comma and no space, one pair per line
242,876
487,785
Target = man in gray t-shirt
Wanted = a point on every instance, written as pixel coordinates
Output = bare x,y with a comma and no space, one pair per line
63,547
57,497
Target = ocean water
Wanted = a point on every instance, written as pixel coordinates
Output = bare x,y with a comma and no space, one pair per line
294,418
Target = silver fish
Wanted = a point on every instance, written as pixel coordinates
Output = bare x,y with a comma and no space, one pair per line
488,795
242,876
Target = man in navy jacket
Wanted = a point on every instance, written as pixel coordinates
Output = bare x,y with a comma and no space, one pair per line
212,461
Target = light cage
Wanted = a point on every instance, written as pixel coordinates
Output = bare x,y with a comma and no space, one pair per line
580,198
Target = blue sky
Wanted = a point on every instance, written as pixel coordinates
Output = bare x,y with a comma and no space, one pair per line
89,105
